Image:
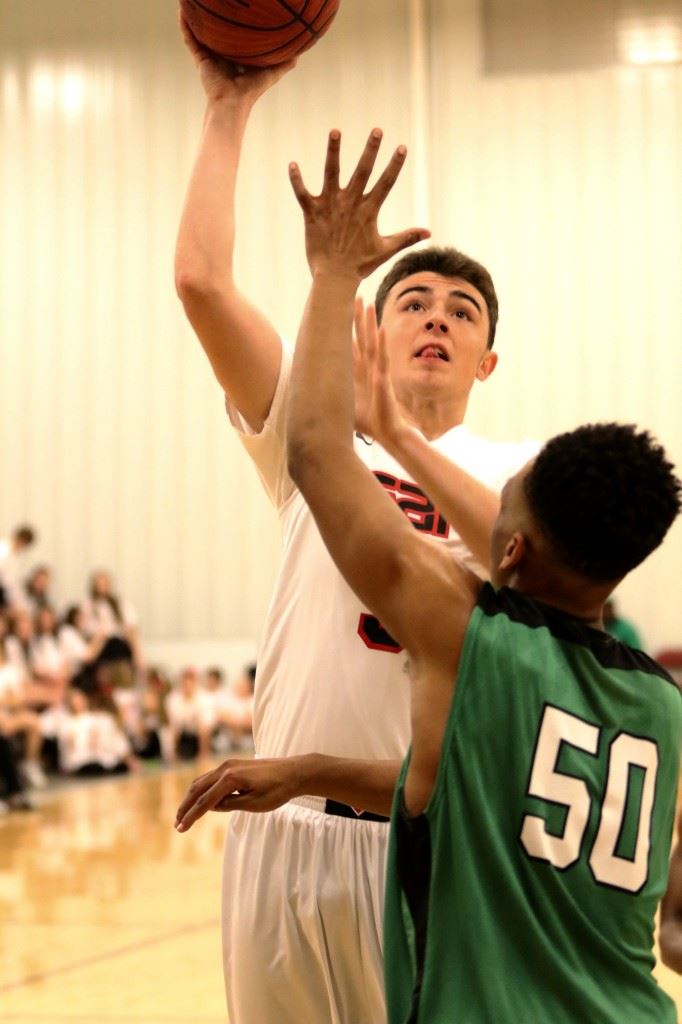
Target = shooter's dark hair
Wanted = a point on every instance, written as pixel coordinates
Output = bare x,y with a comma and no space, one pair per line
448,262
605,496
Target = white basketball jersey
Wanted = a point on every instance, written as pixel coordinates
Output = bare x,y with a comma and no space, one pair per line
329,678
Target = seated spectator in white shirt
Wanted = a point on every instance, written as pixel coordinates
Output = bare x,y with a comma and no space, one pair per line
18,720
91,739
233,705
37,589
11,551
105,612
42,691
77,649
153,738
190,718
47,660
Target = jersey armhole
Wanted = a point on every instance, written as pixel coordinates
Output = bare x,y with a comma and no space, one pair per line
462,683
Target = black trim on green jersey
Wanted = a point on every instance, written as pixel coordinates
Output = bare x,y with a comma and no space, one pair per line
609,652
414,872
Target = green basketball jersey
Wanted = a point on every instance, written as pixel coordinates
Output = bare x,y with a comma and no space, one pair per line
526,891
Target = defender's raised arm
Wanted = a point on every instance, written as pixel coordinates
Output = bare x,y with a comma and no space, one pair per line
371,541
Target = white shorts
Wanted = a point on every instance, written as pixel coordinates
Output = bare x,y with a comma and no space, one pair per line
303,894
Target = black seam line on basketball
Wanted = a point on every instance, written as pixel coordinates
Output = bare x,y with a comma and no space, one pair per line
243,24
284,46
256,55
154,940
298,15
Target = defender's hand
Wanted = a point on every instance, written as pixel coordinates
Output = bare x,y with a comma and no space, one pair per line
259,785
342,235
381,415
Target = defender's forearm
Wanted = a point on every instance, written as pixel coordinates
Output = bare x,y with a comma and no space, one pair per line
321,404
366,785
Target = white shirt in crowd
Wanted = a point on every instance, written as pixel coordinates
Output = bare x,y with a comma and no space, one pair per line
99,617
47,656
74,647
10,575
11,683
190,713
91,737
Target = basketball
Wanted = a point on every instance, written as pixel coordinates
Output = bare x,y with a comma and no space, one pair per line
259,32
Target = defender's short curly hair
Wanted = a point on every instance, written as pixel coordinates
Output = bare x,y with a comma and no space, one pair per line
448,262
605,496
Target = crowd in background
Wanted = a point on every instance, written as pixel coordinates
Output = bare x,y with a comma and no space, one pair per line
77,697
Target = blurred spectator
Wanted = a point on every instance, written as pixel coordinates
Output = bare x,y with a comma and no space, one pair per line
190,718
11,550
18,721
153,739
78,651
621,628
91,739
37,589
233,706
106,613
119,687
18,642
44,689
13,795
47,660
216,698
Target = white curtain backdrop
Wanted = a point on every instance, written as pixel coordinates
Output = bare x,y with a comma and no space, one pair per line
113,440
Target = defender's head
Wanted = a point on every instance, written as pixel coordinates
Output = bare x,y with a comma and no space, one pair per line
593,504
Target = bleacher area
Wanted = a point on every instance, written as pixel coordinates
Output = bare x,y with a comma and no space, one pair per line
174,655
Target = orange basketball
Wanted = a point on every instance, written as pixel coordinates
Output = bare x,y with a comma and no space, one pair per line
259,32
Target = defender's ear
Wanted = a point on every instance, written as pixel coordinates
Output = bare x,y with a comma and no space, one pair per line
513,552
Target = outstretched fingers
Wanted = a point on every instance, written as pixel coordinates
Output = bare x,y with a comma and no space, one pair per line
300,191
383,364
209,793
403,240
365,164
388,177
332,163
195,794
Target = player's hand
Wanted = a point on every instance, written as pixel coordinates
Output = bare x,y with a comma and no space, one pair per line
342,234
222,79
376,404
241,785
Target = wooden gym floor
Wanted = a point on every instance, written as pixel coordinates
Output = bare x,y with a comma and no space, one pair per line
106,913
108,916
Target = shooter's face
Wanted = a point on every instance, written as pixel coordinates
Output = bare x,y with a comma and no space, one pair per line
437,331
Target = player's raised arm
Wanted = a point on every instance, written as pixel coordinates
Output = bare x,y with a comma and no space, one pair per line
241,344
372,543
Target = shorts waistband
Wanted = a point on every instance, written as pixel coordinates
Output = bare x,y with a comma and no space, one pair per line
319,803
